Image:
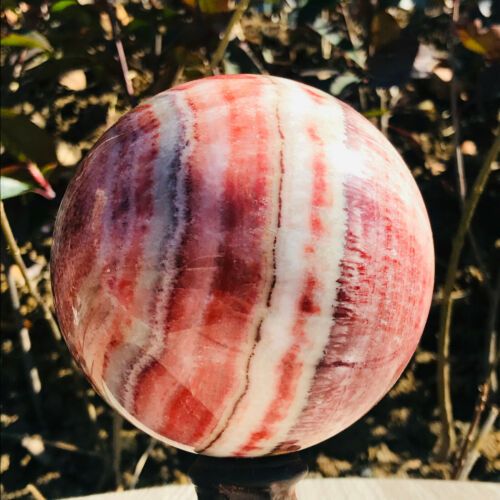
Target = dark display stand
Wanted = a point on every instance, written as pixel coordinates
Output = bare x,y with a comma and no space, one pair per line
272,478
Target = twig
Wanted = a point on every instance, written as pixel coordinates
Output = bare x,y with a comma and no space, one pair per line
408,135
447,434
357,45
19,64
493,336
472,457
117,447
121,53
387,103
465,452
141,463
480,263
462,186
326,46
368,7
35,492
16,255
60,445
158,44
489,386
29,489
384,118
459,158
248,51
221,49
178,75
31,371
351,30
482,398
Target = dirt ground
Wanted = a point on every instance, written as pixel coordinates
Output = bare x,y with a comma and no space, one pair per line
69,447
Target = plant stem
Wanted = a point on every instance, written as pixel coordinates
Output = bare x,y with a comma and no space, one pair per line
221,49
384,118
59,445
121,53
492,358
447,435
462,187
16,255
117,448
475,451
248,51
459,158
482,398
34,491
356,43
30,369
141,463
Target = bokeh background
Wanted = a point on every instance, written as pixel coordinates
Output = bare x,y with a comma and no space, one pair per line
426,72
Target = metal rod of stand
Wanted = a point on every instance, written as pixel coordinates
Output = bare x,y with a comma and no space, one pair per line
265,478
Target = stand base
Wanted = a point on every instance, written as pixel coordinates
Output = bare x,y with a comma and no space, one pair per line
266,478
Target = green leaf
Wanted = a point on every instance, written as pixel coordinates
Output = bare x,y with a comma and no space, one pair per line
23,139
63,4
10,187
375,113
30,40
138,24
19,179
168,13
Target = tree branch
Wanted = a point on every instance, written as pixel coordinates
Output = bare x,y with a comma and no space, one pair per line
121,53
462,187
141,463
473,455
16,255
221,49
30,369
447,435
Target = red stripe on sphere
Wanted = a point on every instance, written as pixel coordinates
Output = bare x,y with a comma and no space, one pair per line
376,275
231,272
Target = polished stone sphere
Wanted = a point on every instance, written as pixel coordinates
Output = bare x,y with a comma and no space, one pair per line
242,265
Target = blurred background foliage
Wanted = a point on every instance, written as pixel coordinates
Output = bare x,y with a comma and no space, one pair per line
426,72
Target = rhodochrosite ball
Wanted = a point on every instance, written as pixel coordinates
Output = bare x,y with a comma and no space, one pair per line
243,265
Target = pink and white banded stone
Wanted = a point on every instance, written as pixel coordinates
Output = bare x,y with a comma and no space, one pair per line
242,265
